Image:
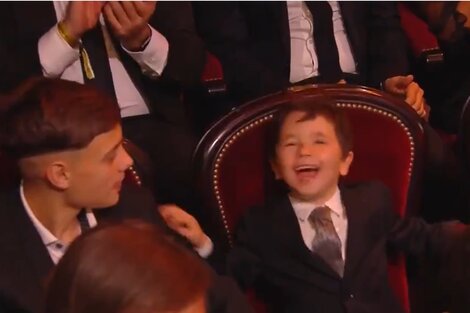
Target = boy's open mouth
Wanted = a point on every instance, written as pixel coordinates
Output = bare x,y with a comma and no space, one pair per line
307,170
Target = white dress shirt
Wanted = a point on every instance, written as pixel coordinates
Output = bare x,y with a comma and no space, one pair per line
338,216
58,59
57,248
303,60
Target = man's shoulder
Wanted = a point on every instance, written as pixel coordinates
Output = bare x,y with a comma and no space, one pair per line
368,189
370,195
10,203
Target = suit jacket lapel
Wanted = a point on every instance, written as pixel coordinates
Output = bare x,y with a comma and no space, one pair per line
31,245
351,12
281,19
356,247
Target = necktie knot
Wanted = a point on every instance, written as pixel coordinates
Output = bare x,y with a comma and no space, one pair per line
320,214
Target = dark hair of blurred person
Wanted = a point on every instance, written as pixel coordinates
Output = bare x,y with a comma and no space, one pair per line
128,268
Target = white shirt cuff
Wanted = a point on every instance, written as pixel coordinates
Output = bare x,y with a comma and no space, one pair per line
55,54
153,58
206,249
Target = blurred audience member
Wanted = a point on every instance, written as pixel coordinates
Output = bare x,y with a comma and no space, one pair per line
132,267
450,22
267,46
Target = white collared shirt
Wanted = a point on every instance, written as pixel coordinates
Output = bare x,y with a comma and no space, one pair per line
58,59
57,249
303,59
338,216
54,246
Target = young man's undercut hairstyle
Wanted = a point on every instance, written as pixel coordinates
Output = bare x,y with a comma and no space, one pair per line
313,107
51,115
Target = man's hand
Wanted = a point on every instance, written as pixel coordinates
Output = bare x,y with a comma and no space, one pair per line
128,21
405,86
80,17
184,224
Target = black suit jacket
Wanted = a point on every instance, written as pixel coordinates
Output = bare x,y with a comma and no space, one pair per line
25,261
22,24
270,255
252,41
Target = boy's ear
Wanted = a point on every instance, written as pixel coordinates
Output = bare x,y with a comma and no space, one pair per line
346,163
58,175
275,169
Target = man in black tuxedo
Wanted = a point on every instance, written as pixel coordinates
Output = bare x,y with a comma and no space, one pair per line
142,53
67,140
267,46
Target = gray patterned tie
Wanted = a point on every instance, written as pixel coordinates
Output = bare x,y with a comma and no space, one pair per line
326,242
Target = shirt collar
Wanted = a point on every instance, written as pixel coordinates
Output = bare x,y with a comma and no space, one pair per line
46,236
303,209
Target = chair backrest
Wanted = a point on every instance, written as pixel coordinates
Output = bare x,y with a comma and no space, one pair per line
231,160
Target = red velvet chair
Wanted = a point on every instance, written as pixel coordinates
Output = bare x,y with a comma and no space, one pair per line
232,169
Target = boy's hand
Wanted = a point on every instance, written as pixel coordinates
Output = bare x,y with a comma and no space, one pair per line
406,87
184,224
81,16
128,21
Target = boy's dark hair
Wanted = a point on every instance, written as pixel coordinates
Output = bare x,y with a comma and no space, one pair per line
49,115
320,105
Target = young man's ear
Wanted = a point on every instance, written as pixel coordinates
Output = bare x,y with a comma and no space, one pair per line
346,163
275,169
58,175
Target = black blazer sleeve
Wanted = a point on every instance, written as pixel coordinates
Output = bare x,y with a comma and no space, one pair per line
418,238
186,56
387,46
242,262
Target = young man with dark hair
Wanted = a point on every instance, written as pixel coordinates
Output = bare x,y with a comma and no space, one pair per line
67,140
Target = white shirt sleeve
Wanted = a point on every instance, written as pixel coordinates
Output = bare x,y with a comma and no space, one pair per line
206,249
55,54
153,58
